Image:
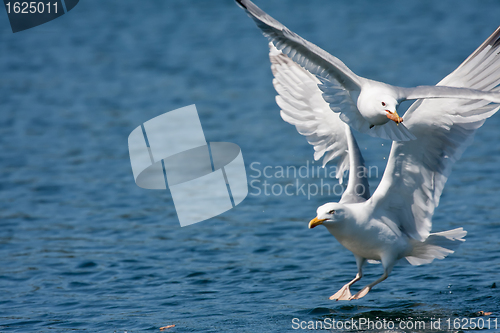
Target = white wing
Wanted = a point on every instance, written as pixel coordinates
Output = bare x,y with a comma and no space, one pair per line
417,170
440,91
302,106
358,189
339,83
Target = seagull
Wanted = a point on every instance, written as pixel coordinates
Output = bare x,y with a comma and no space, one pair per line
394,223
366,105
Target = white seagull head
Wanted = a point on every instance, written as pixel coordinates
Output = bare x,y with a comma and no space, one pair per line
379,105
329,213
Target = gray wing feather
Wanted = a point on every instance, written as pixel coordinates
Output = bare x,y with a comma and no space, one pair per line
449,92
311,57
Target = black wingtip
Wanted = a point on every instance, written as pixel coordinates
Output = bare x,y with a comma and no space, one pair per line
496,43
241,4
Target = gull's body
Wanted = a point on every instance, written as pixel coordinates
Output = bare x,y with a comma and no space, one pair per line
395,222
366,105
366,236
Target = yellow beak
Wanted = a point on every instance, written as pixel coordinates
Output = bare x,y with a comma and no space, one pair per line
315,222
394,116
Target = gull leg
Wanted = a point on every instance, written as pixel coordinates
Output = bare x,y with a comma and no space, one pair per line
344,293
366,289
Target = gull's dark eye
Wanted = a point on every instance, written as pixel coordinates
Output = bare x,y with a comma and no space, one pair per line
332,211
383,103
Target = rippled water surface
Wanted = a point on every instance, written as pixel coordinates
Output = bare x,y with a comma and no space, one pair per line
82,248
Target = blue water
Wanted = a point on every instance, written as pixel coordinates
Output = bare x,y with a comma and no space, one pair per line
82,248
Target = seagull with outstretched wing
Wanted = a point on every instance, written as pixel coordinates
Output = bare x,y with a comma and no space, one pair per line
366,105
395,222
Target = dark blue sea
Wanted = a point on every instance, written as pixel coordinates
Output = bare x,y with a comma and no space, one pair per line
84,249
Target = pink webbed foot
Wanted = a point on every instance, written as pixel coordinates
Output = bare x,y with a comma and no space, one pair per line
344,294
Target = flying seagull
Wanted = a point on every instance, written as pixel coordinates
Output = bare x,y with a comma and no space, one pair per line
395,222
366,105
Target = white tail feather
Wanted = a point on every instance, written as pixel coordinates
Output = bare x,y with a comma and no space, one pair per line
437,246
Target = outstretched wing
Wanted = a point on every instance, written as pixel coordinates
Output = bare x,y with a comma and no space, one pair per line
339,84
440,91
302,106
306,54
417,170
